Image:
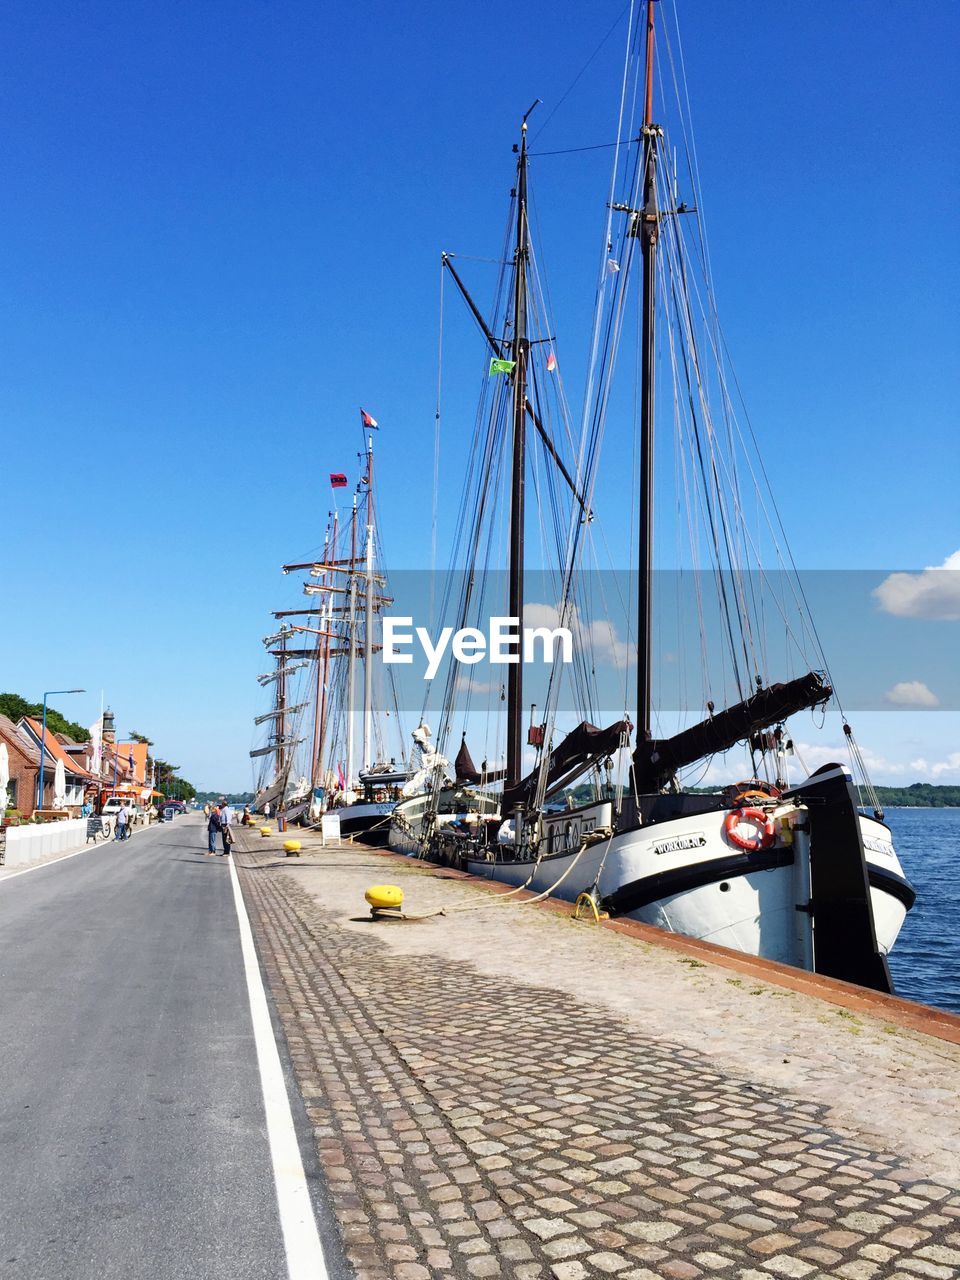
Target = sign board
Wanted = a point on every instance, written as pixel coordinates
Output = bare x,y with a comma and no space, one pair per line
330,828
94,827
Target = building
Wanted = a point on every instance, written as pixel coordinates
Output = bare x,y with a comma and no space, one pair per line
77,777
24,758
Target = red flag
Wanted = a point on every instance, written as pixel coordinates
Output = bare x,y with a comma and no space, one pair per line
338,480
367,419
551,362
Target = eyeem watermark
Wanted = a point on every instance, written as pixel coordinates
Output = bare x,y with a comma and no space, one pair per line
505,642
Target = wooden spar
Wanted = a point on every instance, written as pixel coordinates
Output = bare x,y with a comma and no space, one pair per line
324,565
521,347
649,233
648,107
352,640
281,713
532,414
368,619
320,698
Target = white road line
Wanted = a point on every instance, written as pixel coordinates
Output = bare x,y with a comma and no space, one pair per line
301,1239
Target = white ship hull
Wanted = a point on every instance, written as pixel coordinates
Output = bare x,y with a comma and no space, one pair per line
685,875
753,911
368,820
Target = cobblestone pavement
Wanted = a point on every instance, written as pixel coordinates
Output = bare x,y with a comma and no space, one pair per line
475,1125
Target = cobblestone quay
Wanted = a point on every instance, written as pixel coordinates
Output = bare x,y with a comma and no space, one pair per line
500,1091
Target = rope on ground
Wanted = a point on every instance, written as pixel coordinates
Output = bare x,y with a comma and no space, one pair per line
498,898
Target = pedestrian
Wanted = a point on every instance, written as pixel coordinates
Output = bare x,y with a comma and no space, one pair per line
226,835
123,822
213,826
226,817
246,820
266,810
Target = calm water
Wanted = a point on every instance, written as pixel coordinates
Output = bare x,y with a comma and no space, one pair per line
925,962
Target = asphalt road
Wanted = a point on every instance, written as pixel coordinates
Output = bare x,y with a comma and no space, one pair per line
133,1139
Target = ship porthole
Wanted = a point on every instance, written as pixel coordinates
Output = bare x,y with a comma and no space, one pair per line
724,888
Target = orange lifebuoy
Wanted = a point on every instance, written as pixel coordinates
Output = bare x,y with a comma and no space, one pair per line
766,829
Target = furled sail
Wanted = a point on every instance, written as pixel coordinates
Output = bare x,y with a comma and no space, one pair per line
576,753
276,746
657,760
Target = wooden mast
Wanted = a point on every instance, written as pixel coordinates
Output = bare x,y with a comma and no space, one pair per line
352,654
323,657
520,352
280,734
368,620
649,235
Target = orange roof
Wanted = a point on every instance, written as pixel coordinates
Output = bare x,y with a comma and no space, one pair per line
55,751
139,752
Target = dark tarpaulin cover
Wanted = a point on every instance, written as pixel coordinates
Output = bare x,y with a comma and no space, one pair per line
657,760
576,753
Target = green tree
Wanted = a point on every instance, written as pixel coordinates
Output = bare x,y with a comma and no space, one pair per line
15,707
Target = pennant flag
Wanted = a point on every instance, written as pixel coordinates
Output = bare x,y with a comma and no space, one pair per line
613,266
338,480
551,362
367,419
502,366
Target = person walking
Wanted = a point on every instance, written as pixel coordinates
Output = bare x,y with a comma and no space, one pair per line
123,822
213,826
226,817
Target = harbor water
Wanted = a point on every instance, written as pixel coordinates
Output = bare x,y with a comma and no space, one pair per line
925,962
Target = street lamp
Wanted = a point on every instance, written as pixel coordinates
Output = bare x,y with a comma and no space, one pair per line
43,736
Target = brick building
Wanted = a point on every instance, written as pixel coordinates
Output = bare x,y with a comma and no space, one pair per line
24,758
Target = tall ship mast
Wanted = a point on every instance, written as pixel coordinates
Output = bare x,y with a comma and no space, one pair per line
339,631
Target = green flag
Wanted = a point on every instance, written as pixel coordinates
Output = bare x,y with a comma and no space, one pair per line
502,366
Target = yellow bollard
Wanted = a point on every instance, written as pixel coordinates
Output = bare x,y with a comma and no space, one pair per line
266,831
292,847
384,897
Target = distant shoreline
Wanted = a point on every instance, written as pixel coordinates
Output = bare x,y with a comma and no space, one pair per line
921,806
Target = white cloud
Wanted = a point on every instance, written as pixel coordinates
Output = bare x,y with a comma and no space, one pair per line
735,765
912,693
950,765
934,593
599,638
466,683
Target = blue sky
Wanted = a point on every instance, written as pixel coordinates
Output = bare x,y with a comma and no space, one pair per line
221,235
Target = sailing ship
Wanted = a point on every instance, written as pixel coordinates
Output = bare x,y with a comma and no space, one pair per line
350,592
279,789
793,871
